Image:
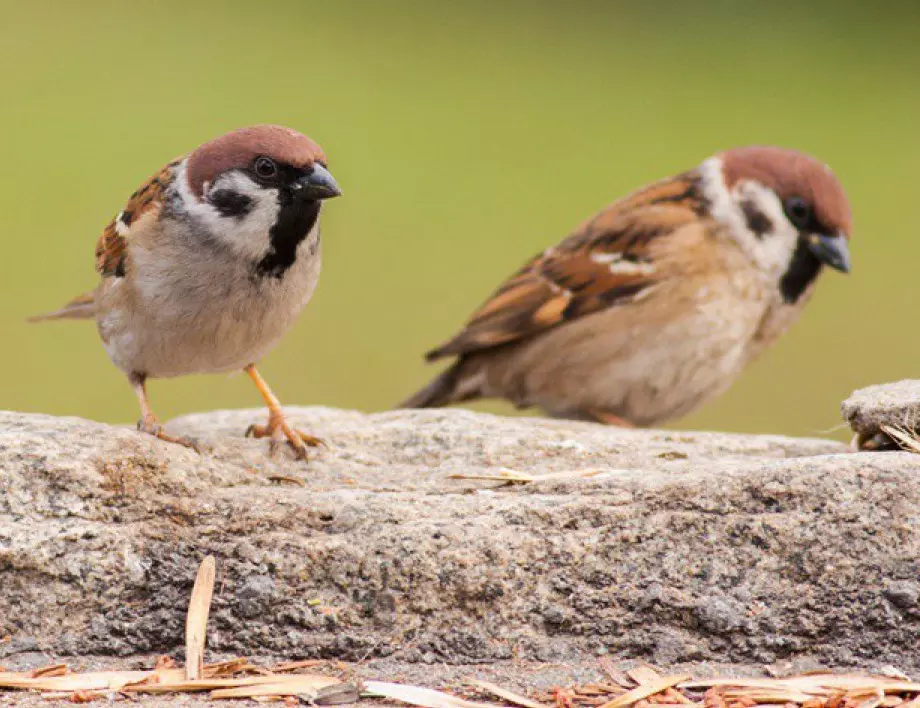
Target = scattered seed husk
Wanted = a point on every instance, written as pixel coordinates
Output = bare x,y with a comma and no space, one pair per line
418,696
307,685
509,696
646,675
239,678
91,681
645,690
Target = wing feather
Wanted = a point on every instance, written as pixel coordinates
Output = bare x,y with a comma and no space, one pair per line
147,200
607,262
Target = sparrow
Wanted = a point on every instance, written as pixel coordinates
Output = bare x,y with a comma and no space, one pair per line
209,264
657,303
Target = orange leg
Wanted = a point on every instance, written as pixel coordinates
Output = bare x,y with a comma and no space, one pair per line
149,423
606,418
278,429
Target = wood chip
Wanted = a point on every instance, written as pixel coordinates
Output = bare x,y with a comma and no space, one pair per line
646,674
645,690
894,672
766,695
294,665
48,671
226,668
92,681
170,684
418,696
196,622
873,701
818,684
509,696
617,676
293,685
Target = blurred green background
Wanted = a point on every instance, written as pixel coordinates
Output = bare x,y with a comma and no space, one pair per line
467,136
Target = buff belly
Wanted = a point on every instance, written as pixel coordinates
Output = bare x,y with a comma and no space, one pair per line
166,327
643,374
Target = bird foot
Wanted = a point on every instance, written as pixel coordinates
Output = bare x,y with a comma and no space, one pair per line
156,430
280,431
605,418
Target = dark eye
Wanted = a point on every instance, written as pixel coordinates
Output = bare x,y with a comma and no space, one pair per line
798,211
265,167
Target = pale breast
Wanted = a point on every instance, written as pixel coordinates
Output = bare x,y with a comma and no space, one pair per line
193,311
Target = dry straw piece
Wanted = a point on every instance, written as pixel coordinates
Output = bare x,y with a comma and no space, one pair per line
641,687
511,476
196,622
903,436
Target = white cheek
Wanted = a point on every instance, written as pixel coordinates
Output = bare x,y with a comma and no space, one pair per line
722,207
248,236
773,251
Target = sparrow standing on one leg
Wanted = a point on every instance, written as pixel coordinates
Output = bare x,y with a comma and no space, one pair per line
659,302
209,264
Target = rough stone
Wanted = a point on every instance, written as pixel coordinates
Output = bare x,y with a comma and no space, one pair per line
688,547
903,593
894,404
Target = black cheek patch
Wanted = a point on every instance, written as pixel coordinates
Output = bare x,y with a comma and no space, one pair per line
758,222
231,204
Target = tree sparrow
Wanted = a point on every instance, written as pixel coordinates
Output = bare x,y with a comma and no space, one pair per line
659,302
209,264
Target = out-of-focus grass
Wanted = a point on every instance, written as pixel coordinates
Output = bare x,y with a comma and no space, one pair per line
466,136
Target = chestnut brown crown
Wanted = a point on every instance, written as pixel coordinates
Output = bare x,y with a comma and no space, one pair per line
792,174
239,148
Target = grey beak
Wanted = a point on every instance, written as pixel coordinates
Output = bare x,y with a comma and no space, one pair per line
831,250
316,185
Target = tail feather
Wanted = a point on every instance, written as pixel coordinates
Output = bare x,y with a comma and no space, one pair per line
82,307
446,388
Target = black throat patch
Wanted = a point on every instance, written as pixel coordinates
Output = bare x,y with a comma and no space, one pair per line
296,219
803,269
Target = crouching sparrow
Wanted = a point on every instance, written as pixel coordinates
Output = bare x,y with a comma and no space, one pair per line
657,303
209,264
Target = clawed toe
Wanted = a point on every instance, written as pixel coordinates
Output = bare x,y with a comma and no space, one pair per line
278,429
257,431
310,439
280,433
156,430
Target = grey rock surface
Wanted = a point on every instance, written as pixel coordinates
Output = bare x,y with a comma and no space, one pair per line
895,404
688,547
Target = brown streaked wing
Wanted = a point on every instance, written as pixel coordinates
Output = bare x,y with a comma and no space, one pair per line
606,262
111,248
